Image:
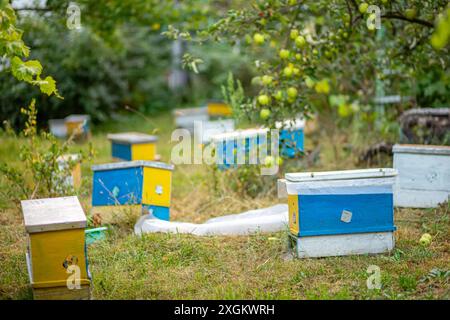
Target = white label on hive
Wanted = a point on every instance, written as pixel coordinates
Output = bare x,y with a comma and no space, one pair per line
159,190
346,216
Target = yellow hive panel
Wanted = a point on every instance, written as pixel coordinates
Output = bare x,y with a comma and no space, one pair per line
157,184
50,251
293,213
219,109
76,175
143,151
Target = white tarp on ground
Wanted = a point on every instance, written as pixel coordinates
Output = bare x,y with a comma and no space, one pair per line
269,219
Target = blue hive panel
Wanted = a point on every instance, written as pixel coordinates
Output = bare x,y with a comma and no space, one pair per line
117,187
121,151
159,212
291,142
328,214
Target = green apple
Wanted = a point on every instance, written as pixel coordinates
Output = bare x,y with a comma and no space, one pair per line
344,110
288,71
279,95
292,92
263,99
267,80
258,38
284,54
300,41
309,82
363,7
294,34
269,161
411,13
264,114
298,56
425,239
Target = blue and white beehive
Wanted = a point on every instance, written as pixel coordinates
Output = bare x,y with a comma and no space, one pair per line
339,213
146,183
239,147
291,137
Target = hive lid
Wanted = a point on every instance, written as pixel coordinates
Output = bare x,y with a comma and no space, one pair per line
53,214
247,133
290,124
132,164
421,149
77,118
191,111
132,137
341,175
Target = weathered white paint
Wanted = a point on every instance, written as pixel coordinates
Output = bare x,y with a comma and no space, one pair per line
58,127
281,189
205,130
341,175
132,137
185,118
52,214
424,175
344,244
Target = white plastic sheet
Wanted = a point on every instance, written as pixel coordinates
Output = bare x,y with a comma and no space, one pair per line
269,219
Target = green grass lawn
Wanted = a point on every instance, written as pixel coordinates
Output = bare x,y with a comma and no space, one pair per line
161,266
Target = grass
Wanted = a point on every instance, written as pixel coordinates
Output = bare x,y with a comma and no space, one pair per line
164,266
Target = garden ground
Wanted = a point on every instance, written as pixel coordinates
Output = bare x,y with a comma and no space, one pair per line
161,266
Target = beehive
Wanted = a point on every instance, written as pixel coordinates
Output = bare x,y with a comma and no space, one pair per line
145,183
341,212
291,137
423,175
131,146
185,118
56,241
78,125
218,109
205,130
74,179
233,147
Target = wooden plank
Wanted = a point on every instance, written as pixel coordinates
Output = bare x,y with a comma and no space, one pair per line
341,175
421,149
407,198
132,137
345,244
281,189
62,293
50,214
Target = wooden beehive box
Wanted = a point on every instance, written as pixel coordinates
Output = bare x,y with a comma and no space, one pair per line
145,183
205,130
55,229
423,175
219,109
291,137
131,146
239,147
185,118
78,125
338,213
74,179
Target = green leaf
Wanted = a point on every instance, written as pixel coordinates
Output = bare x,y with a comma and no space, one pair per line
48,86
25,71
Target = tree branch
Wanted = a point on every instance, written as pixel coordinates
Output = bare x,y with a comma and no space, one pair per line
414,20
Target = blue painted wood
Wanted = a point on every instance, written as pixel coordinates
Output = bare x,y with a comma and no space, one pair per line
159,212
291,142
117,187
121,151
321,214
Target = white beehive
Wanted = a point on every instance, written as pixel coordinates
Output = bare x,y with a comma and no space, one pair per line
423,175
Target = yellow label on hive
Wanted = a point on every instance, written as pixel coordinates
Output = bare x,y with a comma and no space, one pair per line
293,214
143,151
157,184
76,175
52,253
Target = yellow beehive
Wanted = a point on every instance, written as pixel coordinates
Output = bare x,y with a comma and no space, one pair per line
219,109
78,126
56,254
